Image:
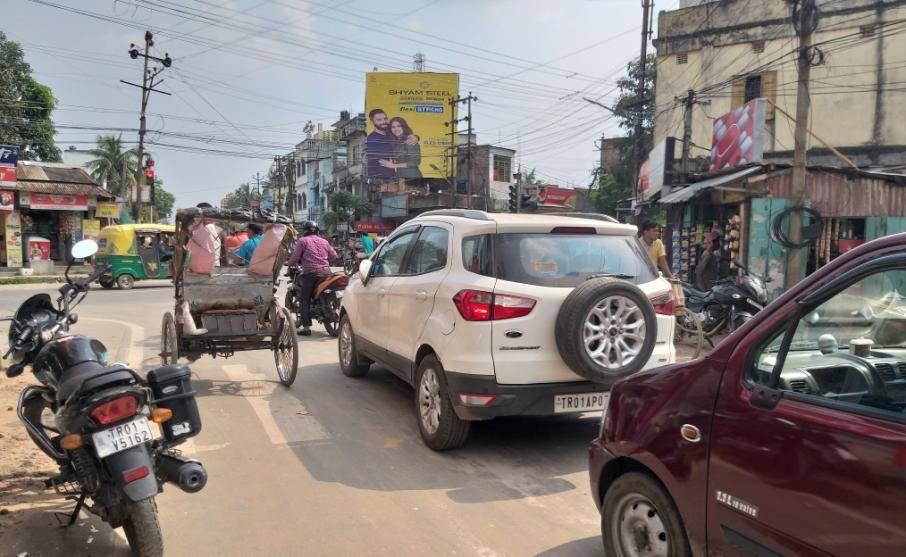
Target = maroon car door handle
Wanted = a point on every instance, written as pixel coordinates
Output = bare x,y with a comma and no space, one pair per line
690,433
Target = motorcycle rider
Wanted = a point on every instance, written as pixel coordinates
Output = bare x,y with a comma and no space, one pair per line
314,254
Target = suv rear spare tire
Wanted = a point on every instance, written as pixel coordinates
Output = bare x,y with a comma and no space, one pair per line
606,330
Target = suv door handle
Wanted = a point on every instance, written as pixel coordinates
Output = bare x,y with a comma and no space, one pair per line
421,295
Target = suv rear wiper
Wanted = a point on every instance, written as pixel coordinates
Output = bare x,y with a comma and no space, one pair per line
623,276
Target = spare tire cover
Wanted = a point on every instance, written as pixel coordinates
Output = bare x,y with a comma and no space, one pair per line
606,330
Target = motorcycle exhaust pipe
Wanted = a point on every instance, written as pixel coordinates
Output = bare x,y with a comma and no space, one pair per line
188,474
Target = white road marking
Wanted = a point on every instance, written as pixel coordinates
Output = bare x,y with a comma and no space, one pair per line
273,403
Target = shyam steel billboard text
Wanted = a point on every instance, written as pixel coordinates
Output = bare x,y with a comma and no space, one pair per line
407,116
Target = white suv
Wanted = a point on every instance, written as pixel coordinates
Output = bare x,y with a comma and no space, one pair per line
490,314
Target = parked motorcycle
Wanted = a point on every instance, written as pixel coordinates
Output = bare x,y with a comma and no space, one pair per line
94,419
729,304
325,299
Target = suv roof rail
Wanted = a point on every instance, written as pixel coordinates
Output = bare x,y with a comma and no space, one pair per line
592,216
474,214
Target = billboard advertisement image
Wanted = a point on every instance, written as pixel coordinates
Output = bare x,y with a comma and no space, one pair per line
739,136
406,115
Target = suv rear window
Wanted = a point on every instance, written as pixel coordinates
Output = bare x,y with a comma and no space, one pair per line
568,260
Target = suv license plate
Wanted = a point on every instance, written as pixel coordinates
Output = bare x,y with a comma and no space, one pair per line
580,402
122,437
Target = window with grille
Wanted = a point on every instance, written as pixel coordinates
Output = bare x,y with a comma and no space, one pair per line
682,58
758,47
502,167
753,87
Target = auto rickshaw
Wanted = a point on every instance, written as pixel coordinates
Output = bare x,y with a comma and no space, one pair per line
135,252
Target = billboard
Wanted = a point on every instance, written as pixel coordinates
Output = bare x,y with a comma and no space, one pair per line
407,117
738,137
654,171
553,196
107,210
54,202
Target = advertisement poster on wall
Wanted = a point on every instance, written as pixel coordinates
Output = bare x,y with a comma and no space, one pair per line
551,196
9,157
654,171
7,200
91,229
738,137
13,239
406,119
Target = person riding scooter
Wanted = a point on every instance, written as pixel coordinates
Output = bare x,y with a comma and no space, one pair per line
313,253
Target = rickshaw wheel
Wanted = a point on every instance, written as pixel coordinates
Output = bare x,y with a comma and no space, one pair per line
125,281
689,327
286,347
169,344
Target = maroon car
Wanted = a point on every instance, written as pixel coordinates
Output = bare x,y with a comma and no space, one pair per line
788,439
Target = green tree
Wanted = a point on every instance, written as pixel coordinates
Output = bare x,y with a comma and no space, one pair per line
613,186
530,179
241,197
25,107
114,166
163,202
345,205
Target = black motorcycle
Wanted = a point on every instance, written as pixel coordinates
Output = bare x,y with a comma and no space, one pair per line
729,304
94,419
325,299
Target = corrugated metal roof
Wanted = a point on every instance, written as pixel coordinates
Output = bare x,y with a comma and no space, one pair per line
692,190
57,178
835,194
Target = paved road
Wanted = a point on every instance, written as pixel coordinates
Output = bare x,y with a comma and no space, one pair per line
334,466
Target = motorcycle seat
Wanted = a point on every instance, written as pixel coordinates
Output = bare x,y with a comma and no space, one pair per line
88,377
692,292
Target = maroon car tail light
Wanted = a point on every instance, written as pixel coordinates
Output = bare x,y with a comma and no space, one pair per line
664,303
115,410
478,305
130,476
471,399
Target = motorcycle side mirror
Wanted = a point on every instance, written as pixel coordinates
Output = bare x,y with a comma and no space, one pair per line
84,249
364,270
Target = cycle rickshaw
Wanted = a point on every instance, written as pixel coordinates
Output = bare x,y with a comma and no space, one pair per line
221,309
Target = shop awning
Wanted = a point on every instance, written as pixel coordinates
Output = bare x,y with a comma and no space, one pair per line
692,190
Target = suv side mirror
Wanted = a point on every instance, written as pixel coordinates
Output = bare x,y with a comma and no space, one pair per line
364,270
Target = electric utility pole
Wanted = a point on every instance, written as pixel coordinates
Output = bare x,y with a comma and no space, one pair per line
805,21
147,87
468,118
638,148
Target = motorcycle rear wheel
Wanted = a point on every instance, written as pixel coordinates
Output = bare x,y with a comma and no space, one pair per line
143,529
330,312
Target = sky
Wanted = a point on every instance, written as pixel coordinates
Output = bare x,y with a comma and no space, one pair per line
248,74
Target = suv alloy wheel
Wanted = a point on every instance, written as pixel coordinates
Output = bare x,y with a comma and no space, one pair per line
438,423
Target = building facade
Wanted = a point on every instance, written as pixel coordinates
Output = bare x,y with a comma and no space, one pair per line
733,51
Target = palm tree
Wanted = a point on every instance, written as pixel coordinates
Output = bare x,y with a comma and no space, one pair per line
113,166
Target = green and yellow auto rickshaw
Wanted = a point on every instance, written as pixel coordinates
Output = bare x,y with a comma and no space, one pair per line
135,252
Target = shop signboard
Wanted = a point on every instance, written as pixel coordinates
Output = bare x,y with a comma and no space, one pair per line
738,137
7,200
417,106
394,206
557,197
54,202
13,239
653,175
370,226
7,176
107,211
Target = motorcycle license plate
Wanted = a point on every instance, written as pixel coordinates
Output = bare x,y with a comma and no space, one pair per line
122,437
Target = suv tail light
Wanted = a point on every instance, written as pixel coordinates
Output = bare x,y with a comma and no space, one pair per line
115,410
478,305
664,303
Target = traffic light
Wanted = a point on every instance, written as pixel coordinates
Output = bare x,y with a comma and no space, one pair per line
514,198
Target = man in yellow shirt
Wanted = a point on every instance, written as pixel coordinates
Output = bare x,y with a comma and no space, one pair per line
656,250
